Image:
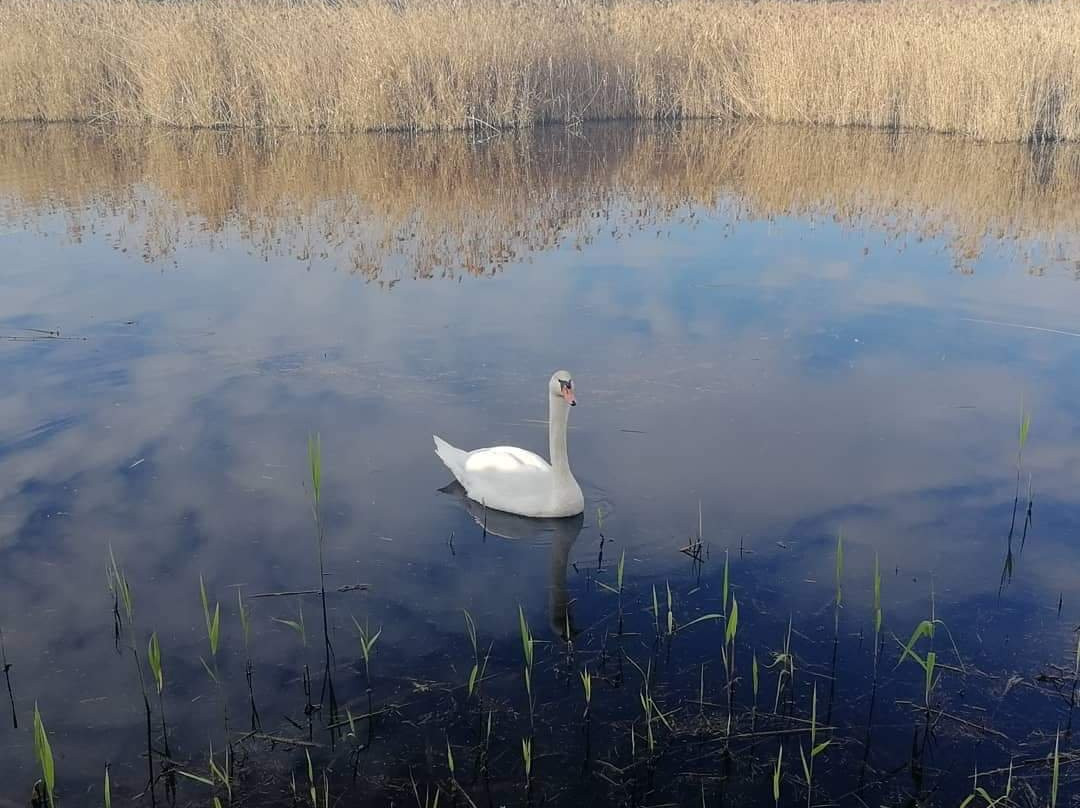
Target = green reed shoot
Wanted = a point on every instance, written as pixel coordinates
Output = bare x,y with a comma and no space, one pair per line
726,586
727,654
427,801
1055,777
43,752
222,775
786,662
732,623
449,757
299,625
367,645
213,623
108,788
527,652
815,749
656,612
527,758
118,586
311,781
1025,428
776,775
878,613
927,663
980,792
618,588
153,657
586,685
670,611
470,628
647,707
120,589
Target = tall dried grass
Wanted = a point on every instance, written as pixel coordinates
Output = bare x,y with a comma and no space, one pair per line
989,69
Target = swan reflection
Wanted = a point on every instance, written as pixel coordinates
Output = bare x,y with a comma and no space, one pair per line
559,534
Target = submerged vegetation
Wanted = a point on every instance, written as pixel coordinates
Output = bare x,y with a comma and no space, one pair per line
992,71
650,734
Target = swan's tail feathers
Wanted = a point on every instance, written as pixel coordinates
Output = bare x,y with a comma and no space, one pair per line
453,457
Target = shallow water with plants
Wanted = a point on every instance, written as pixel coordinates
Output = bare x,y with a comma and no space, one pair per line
827,438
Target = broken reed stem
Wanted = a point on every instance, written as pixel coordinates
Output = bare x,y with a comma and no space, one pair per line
7,679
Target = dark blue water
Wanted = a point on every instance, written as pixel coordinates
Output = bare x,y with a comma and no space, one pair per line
795,334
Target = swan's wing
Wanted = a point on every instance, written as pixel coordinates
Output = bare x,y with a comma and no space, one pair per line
507,478
505,459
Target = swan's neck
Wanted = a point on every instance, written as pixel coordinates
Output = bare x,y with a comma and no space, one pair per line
557,417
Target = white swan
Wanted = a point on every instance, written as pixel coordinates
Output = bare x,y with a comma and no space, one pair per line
515,480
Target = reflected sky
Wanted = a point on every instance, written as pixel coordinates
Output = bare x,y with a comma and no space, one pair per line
759,325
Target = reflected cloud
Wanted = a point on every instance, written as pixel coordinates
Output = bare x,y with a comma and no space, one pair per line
784,340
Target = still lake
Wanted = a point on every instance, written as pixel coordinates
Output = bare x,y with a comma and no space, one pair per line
778,336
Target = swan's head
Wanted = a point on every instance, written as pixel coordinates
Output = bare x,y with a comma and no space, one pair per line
562,386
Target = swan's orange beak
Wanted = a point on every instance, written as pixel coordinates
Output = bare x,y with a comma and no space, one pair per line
568,394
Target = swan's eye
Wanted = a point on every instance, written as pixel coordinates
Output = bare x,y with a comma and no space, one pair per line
566,384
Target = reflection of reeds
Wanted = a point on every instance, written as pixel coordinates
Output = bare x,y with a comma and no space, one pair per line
385,207
991,70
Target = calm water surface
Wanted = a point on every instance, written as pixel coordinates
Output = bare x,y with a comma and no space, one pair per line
796,333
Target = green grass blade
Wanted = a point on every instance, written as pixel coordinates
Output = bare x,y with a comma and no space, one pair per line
732,623
44,754
153,655
924,629
805,767
215,629
1057,767
198,778
776,774
205,604
726,587
526,638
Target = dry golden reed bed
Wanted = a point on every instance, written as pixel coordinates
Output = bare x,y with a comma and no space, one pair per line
998,70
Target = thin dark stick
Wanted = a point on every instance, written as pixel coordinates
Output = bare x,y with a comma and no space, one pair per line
149,749
256,722
328,679
7,677
346,588
970,724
